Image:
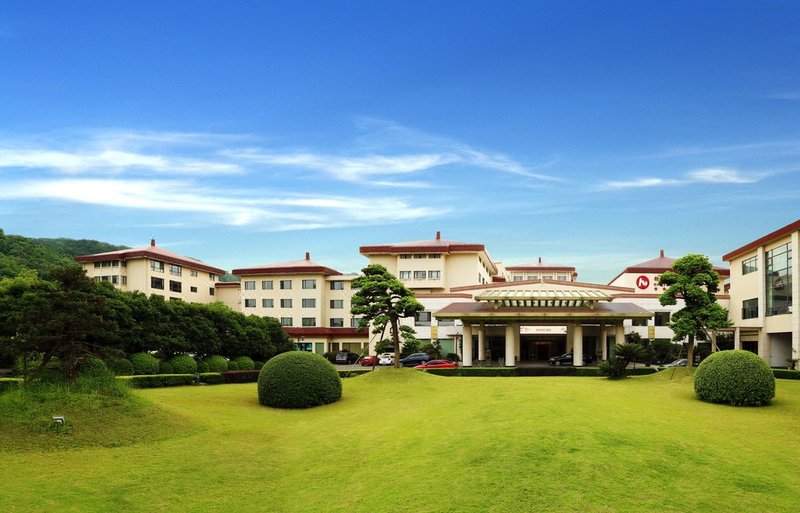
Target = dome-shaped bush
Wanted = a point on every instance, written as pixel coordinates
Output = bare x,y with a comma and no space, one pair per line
257,365
183,364
94,367
122,367
232,365
144,363
244,362
740,378
165,368
216,363
298,379
201,366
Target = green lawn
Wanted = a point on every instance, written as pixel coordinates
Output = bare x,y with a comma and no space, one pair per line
406,441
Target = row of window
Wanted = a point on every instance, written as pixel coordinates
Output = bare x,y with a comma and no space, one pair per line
115,279
335,304
109,263
421,275
175,270
560,277
750,265
419,256
287,284
660,319
424,319
174,286
311,322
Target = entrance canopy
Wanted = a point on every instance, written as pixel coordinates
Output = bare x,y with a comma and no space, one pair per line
486,310
538,297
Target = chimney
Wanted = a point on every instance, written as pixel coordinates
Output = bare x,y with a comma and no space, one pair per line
438,235
308,255
661,253
540,260
152,243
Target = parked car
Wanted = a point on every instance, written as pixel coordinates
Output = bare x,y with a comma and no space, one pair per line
437,364
386,359
369,360
414,359
566,359
345,357
680,362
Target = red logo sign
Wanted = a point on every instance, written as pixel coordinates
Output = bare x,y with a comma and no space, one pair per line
642,282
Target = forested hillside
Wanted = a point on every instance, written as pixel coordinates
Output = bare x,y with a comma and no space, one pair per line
43,255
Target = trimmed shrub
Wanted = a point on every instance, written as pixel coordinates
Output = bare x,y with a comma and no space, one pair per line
165,368
183,364
121,367
297,379
144,363
241,376
158,380
244,362
211,378
233,366
257,365
216,363
202,367
94,367
736,377
786,374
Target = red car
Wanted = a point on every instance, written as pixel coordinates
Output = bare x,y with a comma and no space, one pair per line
437,364
369,360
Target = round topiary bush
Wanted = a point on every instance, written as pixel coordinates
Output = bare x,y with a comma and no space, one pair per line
244,362
165,368
739,378
183,364
216,363
257,365
232,365
144,363
94,367
122,367
202,366
298,379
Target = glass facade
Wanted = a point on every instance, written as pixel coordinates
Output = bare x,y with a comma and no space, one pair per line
778,279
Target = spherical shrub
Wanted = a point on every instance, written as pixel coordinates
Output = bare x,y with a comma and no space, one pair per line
257,365
201,366
244,362
122,367
216,363
144,363
298,379
94,367
183,364
232,365
165,368
740,378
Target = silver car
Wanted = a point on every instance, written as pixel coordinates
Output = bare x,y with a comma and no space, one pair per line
386,359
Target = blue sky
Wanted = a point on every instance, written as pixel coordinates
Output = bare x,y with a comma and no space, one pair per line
586,133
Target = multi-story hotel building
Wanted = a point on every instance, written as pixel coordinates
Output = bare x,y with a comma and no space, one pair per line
154,271
765,280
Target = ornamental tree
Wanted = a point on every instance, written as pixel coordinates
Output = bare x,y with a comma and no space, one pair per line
694,280
382,298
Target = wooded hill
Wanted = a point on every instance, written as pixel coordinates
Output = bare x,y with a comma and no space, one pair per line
44,255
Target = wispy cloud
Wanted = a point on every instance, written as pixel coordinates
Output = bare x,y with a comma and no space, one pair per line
783,147
709,175
792,96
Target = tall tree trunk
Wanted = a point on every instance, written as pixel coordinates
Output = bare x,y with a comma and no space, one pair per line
396,342
690,352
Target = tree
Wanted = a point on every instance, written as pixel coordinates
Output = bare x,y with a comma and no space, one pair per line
694,280
383,298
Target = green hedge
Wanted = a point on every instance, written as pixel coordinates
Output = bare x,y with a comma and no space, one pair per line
211,378
786,374
297,379
241,376
7,384
159,380
738,378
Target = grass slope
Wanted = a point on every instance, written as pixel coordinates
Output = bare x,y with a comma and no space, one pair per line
406,441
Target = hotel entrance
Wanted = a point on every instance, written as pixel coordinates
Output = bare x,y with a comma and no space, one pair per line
540,348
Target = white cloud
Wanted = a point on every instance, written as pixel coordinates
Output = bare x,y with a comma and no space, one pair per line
718,175
708,175
639,183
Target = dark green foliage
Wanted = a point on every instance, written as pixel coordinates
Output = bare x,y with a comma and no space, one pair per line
786,374
244,362
9,384
158,380
94,367
202,367
241,376
233,366
212,378
121,367
183,364
432,350
452,357
298,379
216,363
257,365
617,366
165,368
736,377
144,363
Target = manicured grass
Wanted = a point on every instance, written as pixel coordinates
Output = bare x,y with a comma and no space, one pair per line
408,441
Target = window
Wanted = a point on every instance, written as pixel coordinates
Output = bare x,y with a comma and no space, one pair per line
266,284
156,283
124,280
530,277
286,284
337,304
405,257
250,285
337,285
175,270
750,265
115,279
249,303
174,286
212,277
405,275
750,308
157,266
419,275
562,277
779,280
638,322
192,289
337,322
446,322
435,255
286,303
518,278
309,303
210,291
419,256
309,284
662,318
354,322
105,278
286,321
267,303
97,265
422,319
547,276
115,263
434,275
309,322
192,273
106,263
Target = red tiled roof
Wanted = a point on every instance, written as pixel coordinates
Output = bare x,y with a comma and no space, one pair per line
152,252
659,265
777,234
327,332
601,309
540,266
437,245
306,266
